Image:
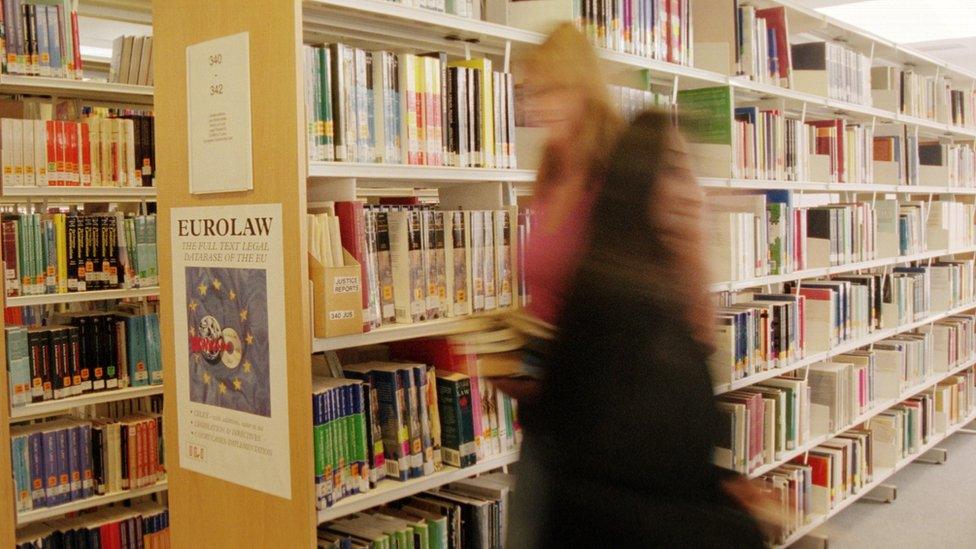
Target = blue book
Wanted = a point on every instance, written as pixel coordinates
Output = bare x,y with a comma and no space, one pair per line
773,52
20,459
18,366
405,374
36,460
50,463
391,401
54,43
135,352
43,40
87,470
74,461
63,464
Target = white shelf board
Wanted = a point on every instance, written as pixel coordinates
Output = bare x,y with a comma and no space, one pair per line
55,407
44,513
733,285
874,410
840,349
400,173
879,477
391,490
78,297
87,89
816,186
398,332
77,194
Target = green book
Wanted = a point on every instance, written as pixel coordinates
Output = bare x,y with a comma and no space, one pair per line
705,115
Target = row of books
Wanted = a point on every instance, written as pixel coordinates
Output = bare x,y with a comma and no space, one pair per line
143,525
833,70
403,420
420,263
756,332
753,235
767,420
99,151
841,468
768,142
68,459
659,29
466,513
86,352
762,50
630,102
42,38
131,60
59,253
401,108
933,97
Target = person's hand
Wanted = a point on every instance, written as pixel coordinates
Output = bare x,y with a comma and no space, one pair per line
762,504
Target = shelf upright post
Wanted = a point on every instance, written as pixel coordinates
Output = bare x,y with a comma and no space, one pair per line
8,517
207,511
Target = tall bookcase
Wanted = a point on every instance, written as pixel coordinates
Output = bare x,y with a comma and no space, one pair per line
208,511
124,198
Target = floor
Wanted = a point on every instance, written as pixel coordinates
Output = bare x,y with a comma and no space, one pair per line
935,506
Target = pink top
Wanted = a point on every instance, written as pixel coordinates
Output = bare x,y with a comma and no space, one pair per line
552,256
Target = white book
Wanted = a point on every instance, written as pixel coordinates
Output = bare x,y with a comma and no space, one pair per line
94,145
491,290
7,151
503,257
130,153
16,142
409,294
476,230
143,76
27,129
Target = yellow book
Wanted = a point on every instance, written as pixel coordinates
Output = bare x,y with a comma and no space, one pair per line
409,139
421,117
487,129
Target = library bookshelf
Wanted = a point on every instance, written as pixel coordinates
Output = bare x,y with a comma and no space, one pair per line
208,511
39,198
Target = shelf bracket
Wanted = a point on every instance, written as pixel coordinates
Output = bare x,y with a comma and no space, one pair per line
508,55
467,51
935,456
884,493
812,541
674,91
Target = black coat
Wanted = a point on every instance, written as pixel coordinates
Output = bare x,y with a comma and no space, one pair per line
617,452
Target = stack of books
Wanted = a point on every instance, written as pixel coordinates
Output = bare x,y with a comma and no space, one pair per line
131,61
59,253
84,353
467,513
144,524
67,459
401,108
42,39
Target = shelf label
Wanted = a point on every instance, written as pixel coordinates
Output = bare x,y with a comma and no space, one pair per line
218,81
231,362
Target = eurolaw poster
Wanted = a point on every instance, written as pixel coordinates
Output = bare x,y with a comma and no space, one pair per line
229,317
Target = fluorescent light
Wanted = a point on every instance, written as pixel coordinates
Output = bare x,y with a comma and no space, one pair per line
905,21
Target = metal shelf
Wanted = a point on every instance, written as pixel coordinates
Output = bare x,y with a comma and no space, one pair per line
398,332
55,407
400,173
44,513
391,490
86,89
733,285
78,297
77,195
840,349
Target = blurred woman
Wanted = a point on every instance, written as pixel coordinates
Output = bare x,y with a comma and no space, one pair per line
623,430
564,93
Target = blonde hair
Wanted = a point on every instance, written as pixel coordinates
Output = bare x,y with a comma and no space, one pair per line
566,61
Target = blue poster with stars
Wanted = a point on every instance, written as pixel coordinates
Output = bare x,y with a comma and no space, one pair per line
227,321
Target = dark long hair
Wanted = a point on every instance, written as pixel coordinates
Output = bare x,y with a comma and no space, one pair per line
647,237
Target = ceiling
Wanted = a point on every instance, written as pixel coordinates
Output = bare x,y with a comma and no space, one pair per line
945,29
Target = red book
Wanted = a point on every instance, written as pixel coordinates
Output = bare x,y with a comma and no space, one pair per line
776,21
76,44
832,144
11,275
673,24
352,230
73,153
